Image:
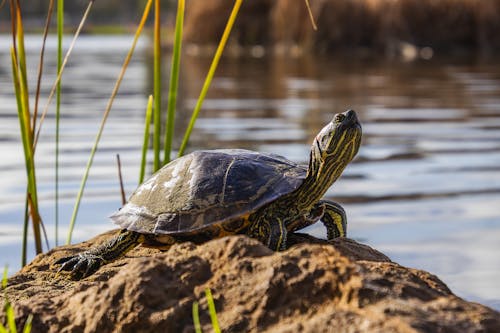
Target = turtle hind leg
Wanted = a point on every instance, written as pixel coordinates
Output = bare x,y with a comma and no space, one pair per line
272,233
86,263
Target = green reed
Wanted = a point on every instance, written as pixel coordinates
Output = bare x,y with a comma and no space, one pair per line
211,310
174,82
173,87
104,118
26,123
157,86
210,75
27,120
63,65
147,125
60,30
29,128
196,317
9,311
37,97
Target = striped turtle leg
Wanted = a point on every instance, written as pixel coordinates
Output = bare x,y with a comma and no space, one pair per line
270,232
334,219
88,262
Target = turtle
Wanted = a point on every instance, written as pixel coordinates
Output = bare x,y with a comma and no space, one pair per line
209,194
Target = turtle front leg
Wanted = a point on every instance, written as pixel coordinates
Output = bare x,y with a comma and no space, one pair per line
87,263
271,233
334,219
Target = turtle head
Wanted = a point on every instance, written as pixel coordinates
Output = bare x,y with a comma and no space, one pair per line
334,147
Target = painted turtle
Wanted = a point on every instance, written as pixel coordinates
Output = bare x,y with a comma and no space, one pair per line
215,193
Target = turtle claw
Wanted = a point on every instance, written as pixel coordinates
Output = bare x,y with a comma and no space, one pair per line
81,265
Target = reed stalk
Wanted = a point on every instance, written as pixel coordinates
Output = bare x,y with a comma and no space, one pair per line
60,30
9,311
210,75
196,317
104,118
22,72
40,64
147,125
174,82
157,86
63,65
20,82
211,310
28,324
26,223
120,179
311,16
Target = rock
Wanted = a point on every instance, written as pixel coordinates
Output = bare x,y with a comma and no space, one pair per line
315,286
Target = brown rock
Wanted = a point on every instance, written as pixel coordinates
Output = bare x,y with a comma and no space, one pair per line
314,286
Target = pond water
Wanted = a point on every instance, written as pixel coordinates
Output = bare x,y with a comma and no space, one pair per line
424,189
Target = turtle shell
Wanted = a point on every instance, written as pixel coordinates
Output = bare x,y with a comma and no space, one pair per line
208,187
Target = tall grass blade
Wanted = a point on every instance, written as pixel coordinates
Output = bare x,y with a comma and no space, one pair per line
63,65
60,30
147,125
4,276
13,23
174,81
15,80
45,236
9,312
22,76
157,87
6,304
40,64
28,324
211,310
26,121
120,179
311,16
196,318
103,121
21,91
210,75
24,250
26,146
24,115
36,220
11,317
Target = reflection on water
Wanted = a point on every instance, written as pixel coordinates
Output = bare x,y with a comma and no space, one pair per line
424,189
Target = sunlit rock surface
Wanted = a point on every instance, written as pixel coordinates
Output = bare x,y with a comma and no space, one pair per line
314,286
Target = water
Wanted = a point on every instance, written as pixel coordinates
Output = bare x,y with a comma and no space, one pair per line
425,188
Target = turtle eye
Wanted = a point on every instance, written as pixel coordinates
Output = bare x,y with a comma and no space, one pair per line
339,117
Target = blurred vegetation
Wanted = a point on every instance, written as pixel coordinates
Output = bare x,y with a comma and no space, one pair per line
375,26
106,16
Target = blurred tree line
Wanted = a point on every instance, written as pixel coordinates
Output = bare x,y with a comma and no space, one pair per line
390,27
104,12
